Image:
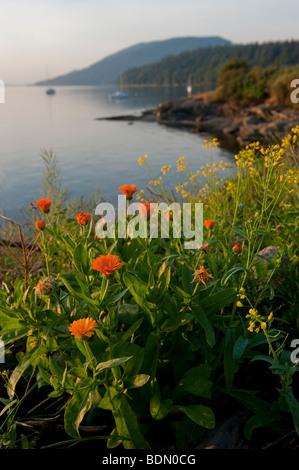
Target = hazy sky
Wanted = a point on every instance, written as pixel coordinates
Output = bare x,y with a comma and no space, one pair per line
44,38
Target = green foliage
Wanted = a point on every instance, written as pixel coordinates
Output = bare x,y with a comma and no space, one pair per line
163,348
202,65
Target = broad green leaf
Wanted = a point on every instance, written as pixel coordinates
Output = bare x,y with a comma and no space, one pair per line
293,407
176,322
81,259
160,408
78,406
187,278
136,381
249,399
200,414
260,420
115,298
114,440
128,427
85,349
239,347
205,324
196,384
230,273
230,364
112,363
240,232
8,338
23,365
215,302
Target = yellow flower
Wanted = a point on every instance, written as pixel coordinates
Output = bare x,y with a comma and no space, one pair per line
141,159
263,325
239,304
252,311
270,316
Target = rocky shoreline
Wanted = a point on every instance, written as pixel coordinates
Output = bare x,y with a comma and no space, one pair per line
265,122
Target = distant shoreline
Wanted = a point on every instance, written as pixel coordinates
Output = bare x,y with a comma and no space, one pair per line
262,122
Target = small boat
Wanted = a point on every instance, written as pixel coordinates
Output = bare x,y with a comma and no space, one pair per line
119,95
189,89
50,91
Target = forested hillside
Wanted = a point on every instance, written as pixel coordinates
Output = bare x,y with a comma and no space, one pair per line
202,65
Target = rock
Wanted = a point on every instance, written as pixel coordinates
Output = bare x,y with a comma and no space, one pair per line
228,434
265,123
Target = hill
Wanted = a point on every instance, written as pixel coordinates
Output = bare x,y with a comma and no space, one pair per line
111,67
202,65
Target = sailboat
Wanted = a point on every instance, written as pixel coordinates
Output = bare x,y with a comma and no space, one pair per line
50,91
119,95
189,88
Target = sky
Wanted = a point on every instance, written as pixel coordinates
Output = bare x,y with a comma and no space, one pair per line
42,39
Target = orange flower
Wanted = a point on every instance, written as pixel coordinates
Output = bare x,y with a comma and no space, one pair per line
40,224
83,328
204,247
237,248
107,264
128,190
44,205
201,275
145,209
209,223
169,215
83,219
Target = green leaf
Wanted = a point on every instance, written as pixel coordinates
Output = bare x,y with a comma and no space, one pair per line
187,278
215,302
159,409
176,322
85,349
26,361
128,427
12,336
78,406
196,384
230,363
240,232
115,298
205,324
230,273
249,399
293,407
239,347
81,259
260,420
112,363
114,440
136,381
200,414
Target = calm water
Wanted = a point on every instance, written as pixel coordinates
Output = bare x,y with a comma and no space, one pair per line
93,155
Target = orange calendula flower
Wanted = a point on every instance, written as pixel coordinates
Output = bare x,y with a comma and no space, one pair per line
237,248
204,247
83,328
128,190
145,209
107,264
209,223
83,219
40,224
201,275
44,205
